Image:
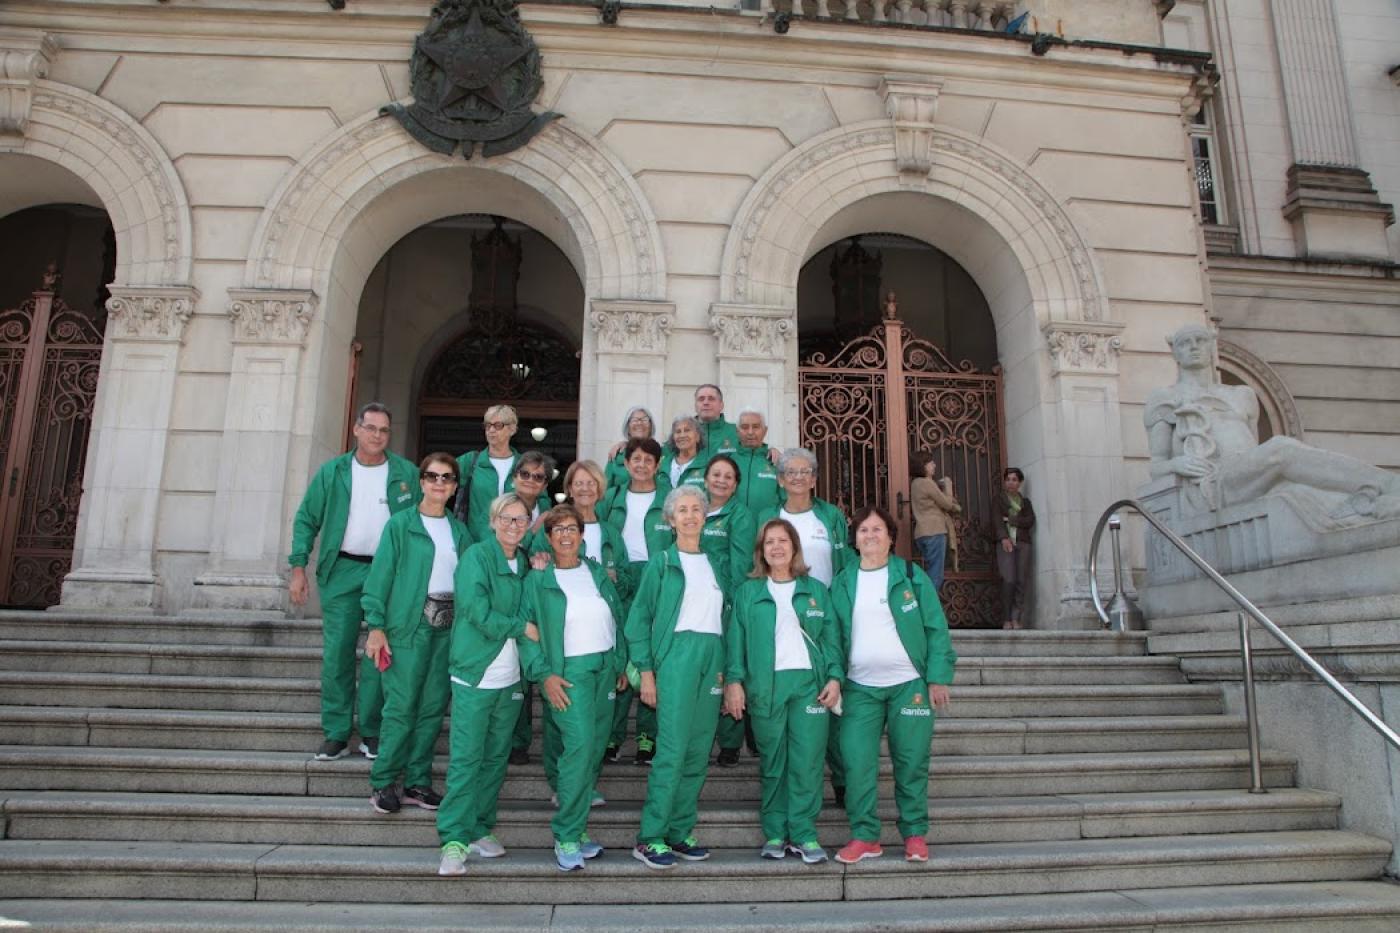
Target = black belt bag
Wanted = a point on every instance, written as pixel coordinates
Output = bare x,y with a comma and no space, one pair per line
438,610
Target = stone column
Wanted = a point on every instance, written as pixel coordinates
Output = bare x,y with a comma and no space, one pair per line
757,348
626,341
114,555
1082,466
246,559
1331,203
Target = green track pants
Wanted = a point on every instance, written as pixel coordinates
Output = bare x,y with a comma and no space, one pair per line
622,711
524,723
482,721
689,686
729,732
904,711
341,617
582,732
791,728
415,699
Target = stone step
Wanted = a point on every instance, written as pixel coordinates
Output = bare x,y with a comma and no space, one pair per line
289,773
1297,907
303,695
301,732
351,820
225,871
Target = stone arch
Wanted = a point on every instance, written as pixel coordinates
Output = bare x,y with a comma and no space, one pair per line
1274,398
125,168
777,226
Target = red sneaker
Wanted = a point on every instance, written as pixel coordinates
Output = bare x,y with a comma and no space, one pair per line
857,849
915,849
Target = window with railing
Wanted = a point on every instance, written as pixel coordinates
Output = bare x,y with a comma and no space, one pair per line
1205,154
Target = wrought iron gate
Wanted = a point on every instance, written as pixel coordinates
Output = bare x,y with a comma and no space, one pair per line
866,406
49,359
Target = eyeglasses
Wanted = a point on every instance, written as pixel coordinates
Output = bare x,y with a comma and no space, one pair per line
526,474
514,521
564,529
374,429
799,474
495,425
428,476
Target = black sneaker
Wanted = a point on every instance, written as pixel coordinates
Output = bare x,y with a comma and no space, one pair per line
646,750
385,800
369,747
728,758
613,755
424,797
519,756
690,849
330,750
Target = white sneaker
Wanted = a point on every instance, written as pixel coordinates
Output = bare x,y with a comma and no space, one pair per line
454,859
598,800
554,800
487,847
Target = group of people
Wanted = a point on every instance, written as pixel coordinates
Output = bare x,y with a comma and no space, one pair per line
702,581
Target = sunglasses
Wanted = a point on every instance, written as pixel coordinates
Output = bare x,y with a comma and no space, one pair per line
526,474
428,476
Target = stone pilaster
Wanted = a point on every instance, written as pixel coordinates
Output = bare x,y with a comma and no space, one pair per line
910,102
25,55
114,553
246,558
757,351
628,341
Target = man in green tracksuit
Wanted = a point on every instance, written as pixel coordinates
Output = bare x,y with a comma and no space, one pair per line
347,505
721,437
758,487
486,474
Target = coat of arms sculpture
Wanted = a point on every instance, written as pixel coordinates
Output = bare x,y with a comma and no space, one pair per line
475,71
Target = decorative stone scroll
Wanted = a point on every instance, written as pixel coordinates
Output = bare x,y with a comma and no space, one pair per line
746,331
25,54
271,316
910,101
1084,347
632,326
152,313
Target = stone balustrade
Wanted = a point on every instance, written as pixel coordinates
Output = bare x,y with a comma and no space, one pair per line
986,15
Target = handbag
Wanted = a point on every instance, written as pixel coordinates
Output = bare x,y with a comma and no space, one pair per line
438,610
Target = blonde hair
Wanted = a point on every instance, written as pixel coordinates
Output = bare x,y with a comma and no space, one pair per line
589,467
501,413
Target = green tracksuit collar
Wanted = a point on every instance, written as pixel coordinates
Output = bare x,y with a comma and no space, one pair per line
917,612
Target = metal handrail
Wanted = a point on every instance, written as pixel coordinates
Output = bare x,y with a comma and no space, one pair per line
1249,611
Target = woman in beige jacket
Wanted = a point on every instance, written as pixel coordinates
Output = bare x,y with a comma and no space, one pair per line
934,508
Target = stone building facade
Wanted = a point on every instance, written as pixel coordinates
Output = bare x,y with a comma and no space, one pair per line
268,221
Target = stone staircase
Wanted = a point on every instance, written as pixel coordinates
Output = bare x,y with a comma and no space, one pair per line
155,775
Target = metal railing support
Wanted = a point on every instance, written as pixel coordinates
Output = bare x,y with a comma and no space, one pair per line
1251,710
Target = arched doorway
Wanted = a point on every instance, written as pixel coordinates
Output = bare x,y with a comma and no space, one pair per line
60,260
881,379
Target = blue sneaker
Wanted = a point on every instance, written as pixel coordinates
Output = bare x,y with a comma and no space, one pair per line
690,849
655,855
567,856
589,848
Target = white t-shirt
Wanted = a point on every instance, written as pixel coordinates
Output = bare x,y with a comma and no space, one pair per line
677,468
789,646
878,658
502,465
444,554
816,543
593,541
505,670
634,529
702,605
589,626
369,508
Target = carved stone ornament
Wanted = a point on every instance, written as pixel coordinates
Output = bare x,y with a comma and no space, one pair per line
157,314
475,71
632,326
1084,347
910,101
270,315
25,55
757,333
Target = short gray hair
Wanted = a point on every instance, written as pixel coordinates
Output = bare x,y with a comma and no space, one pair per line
752,411
503,502
373,408
627,420
668,508
794,454
699,431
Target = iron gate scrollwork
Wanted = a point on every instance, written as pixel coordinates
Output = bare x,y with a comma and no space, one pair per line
865,407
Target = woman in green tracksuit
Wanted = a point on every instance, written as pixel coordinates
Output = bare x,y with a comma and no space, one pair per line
728,539
674,632
637,423
783,666
407,604
491,642
577,608
899,663
686,456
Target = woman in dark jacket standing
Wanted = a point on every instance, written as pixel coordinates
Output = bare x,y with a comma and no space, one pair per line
1012,521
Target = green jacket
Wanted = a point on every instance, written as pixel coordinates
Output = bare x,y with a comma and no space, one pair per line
918,617
837,531
546,604
694,475
325,509
614,556
750,646
480,480
615,473
721,437
758,479
729,538
398,579
489,608
651,622
658,531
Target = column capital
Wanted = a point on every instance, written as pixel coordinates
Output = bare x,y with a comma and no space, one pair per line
910,103
632,326
155,313
271,315
1089,347
753,331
